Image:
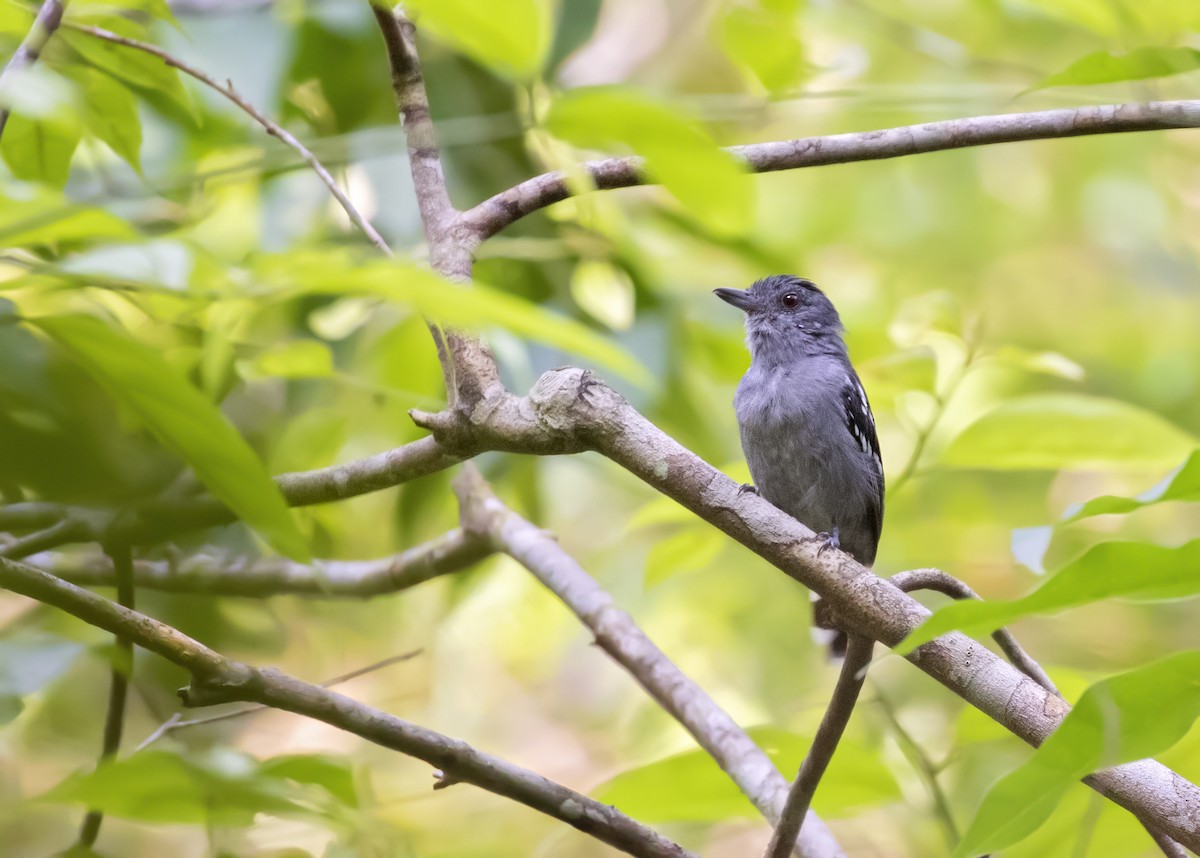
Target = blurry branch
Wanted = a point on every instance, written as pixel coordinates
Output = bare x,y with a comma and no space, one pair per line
618,635
176,721
65,530
507,207
570,411
941,582
159,519
121,557
269,576
48,19
216,679
833,724
274,129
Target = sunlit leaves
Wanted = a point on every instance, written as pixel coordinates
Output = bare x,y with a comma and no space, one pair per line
221,788
110,113
690,787
707,181
297,359
453,304
1063,430
39,150
764,42
1128,717
511,37
605,292
1138,64
184,420
1131,570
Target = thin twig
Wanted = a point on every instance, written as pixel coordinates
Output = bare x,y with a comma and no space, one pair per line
271,576
924,766
509,206
273,128
216,679
829,734
176,722
619,636
118,692
63,531
48,19
941,582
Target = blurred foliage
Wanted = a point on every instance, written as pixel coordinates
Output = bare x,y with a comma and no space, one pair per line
1023,317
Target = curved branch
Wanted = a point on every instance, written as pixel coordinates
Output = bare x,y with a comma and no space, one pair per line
506,208
216,679
619,636
273,128
271,576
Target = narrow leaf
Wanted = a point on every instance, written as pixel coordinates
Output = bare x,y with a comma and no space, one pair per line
1138,64
1129,570
1182,485
184,420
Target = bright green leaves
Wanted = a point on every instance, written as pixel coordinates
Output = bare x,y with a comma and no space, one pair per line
690,787
708,182
1138,64
1131,570
452,304
510,37
184,420
219,788
39,150
110,113
1068,431
763,41
1128,717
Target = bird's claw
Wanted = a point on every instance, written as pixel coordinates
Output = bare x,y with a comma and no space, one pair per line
747,489
827,541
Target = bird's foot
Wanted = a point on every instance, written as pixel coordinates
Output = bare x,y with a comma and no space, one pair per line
827,541
747,489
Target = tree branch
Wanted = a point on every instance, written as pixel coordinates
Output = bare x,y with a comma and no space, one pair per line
506,208
48,19
569,410
274,129
216,679
270,576
619,636
833,724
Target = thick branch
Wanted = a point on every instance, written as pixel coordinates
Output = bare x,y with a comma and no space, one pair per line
217,679
619,636
274,129
507,207
569,410
48,19
269,576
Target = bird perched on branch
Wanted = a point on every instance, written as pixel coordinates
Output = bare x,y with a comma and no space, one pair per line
807,429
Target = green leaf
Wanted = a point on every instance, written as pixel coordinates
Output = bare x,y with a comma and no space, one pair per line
764,43
47,217
330,773
221,788
449,303
511,37
184,420
39,151
1128,717
297,359
110,113
690,787
1068,430
691,549
1138,64
707,181
1127,570
1183,484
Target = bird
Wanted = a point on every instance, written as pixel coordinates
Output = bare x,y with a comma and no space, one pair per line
806,425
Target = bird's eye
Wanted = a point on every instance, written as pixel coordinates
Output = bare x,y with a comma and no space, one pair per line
791,300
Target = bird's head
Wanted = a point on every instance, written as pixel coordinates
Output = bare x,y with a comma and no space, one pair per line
786,317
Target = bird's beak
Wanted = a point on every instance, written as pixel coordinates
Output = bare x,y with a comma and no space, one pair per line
740,298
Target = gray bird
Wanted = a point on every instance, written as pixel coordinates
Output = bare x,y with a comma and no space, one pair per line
807,429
